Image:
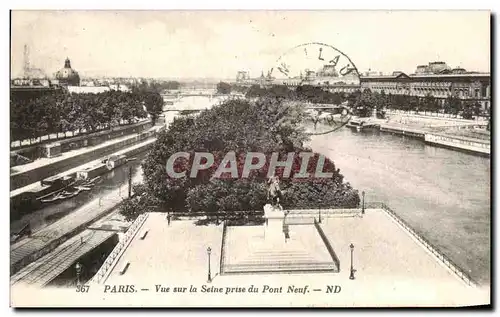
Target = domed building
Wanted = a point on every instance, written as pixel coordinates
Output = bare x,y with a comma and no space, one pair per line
68,76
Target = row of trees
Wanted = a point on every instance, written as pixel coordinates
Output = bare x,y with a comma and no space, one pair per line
61,111
452,105
155,86
363,102
266,125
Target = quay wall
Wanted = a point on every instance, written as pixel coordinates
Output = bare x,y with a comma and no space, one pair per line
81,140
469,145
48,246
418,134
41,172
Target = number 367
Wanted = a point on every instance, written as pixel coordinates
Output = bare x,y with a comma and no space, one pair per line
82,289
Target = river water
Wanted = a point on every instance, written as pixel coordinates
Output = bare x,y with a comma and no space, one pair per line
441,193
117,178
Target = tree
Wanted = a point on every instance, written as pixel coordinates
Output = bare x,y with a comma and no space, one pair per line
265,126
154,105
429,103
223,88
452,105
62,112
140,201
471,109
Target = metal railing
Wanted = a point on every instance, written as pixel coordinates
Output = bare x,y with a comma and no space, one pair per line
429,246
118,250
323,211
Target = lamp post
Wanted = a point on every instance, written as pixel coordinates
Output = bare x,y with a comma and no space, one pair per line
78,268
320,204
351,277
363,203
209,250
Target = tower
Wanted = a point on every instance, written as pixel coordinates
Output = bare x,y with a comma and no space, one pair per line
26,61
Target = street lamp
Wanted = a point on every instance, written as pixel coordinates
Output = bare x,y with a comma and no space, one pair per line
363,203
78,268
351,277
209,250
320,204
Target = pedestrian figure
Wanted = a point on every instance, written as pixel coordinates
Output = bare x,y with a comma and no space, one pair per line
168,218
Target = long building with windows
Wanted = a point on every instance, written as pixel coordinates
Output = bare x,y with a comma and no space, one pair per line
437,80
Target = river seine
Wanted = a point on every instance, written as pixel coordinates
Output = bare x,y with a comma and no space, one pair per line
441,193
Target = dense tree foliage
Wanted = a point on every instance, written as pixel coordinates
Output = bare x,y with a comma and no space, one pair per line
267,125
223,88
61,112
153,102
305,93
140,201
364,102
158,86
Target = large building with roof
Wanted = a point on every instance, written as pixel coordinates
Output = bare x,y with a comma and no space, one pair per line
67,76
436,79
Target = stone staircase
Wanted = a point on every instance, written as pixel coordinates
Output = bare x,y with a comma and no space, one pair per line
246,250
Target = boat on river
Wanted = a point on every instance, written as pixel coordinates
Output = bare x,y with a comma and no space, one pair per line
71,190
60,187
361,125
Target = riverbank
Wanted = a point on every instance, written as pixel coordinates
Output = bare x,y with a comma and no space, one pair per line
43,241
27,174
467,137
443,194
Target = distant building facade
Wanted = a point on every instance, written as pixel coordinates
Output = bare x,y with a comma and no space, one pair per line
436,79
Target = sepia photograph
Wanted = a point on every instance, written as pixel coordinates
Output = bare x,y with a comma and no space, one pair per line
260,158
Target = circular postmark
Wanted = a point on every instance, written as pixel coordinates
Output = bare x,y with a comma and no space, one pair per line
312,66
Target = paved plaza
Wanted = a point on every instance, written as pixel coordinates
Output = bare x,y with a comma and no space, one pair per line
392,269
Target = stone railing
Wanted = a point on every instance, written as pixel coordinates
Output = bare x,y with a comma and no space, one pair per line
118,250
324,212
222,246
327,244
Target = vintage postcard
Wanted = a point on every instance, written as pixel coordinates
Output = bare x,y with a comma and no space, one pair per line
250,159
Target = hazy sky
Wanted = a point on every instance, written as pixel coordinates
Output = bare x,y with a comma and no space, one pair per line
219,43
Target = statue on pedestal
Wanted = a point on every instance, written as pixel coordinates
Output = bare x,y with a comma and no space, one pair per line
274,192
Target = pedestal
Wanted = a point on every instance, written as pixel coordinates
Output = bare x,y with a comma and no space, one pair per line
273,228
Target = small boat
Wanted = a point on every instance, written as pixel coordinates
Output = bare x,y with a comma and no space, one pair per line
52,198
69,193
362,125
84,188
115,161
131,159
49,197
91,182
